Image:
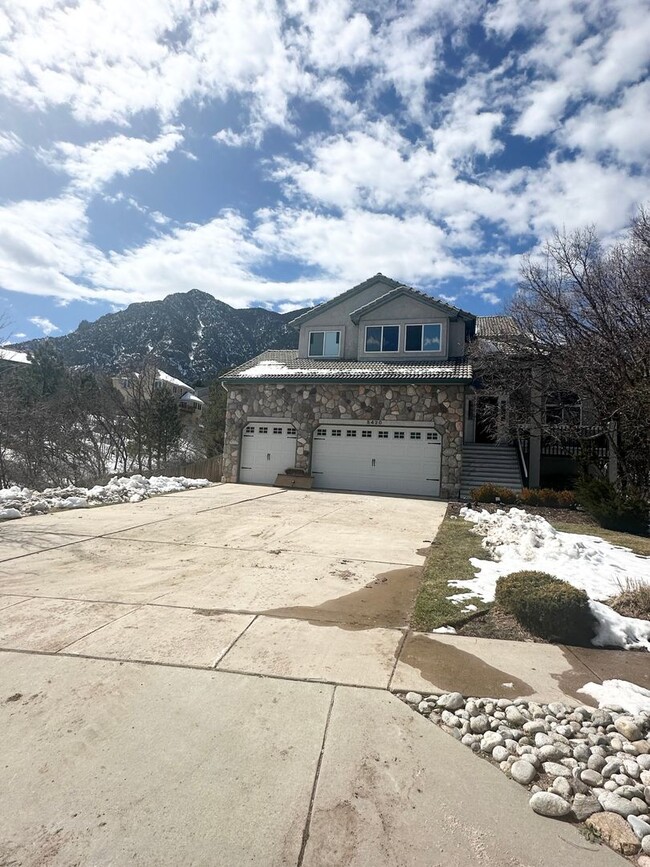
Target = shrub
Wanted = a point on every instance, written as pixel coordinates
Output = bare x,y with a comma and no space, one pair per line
633,600
617,510
548,607
548,497
489,493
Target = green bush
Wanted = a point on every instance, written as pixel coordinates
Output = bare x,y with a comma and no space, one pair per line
627,512
490,493
548,497
548,607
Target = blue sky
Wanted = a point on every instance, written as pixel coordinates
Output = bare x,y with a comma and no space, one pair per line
277,153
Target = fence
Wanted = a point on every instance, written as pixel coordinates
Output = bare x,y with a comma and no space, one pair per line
208,468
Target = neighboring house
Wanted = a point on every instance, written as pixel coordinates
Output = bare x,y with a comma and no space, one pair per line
379,396
13,357
189,404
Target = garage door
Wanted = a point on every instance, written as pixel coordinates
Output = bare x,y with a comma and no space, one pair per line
396,460
267,449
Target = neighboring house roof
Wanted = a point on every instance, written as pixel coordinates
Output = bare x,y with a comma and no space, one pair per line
189,397
13,355
282,364
165,377
399,291
495,326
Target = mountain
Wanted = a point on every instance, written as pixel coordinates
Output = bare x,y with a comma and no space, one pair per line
193,335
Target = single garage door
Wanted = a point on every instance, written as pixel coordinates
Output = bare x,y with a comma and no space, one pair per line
266,450
396,460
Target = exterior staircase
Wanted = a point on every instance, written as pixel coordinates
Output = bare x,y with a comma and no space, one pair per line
486,462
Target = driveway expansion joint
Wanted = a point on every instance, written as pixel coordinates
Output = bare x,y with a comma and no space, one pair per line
307,828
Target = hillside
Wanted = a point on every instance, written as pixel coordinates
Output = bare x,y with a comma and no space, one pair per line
193,335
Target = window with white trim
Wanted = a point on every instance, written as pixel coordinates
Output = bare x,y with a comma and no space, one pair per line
423,338
416,435
366,433
431,436
291,431
262,430
249,429
382,338
351,432
398,435
277,430
324,344
336,432
321,432
382,434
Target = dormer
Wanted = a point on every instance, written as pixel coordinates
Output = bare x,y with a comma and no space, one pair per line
383,320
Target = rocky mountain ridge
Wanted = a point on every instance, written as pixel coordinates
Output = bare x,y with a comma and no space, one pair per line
191,334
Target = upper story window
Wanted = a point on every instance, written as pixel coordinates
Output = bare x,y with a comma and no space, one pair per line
563,408
423,338
382,338
324,344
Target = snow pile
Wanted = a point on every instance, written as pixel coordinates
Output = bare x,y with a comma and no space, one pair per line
17,502
519,541
619,693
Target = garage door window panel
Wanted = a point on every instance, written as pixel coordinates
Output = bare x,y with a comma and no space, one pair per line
382,338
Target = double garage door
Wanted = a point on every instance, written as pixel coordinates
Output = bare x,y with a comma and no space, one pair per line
382,459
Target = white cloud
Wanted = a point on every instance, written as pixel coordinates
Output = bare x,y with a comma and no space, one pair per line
9,144
45,325
92,166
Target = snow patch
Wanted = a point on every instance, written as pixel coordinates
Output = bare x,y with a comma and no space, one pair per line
619,693
17,502
518,541
445,630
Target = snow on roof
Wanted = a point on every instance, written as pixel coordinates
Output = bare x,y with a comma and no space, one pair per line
13,355
188,396
285,364
165,377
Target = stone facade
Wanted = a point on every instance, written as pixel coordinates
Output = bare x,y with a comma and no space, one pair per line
307,404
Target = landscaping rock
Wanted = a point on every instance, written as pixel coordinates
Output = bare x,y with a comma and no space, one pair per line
615,831
413,697
613,803
591,778
553,769
491,740
523,772
548,804
627,726
640,828
452,701
585,806
645,845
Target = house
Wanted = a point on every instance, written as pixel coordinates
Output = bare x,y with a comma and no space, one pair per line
189,403
11,357
380,397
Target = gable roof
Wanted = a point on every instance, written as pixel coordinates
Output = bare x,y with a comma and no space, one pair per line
393,286
284,364
495,326
408,291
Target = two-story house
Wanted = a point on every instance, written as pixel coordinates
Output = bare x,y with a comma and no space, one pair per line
380,396
372,400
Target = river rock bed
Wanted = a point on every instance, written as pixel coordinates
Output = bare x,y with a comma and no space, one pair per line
589,765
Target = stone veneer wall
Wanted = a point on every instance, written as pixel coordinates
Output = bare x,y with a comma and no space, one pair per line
305,404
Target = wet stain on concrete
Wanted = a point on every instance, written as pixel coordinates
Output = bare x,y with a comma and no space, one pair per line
608,664
449,668
387,601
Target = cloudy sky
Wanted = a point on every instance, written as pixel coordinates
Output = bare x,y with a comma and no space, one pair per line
278,151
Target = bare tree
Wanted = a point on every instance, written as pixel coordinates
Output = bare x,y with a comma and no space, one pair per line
580,326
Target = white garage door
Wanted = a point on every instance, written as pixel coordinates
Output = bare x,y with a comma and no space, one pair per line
267,449
396,460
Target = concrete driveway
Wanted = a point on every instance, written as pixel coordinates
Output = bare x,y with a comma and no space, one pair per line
156,704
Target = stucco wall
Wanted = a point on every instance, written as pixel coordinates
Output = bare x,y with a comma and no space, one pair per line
306,404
